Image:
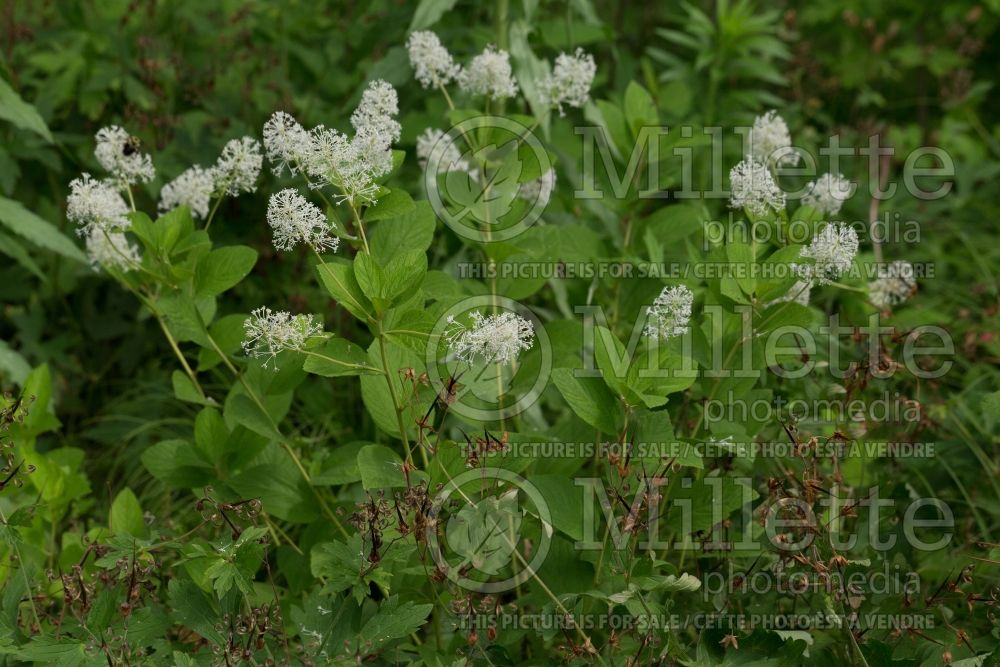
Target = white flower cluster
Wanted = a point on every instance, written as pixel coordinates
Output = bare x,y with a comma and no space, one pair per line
286,143
489,74
894,285
498,338
570,80
111,249
432,64
118,152
375,115
540,189
296,220
96,205
799,293
268,333
833,250
770,141
238,167
193,188
753,188
436,147
827,193
329,157
670,313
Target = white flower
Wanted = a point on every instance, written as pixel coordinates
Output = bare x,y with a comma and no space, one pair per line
343,163
268,333
540,189
238,167
489,74
193,188
670,313
833,250
295,220
111,249
799,293
432,64
753,188
286,143
496,338
96,204
894,285
439,148
827,193
118,152
376,111
570,80
770,141
373,149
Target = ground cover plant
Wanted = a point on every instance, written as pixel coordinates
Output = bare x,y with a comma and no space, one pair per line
568,332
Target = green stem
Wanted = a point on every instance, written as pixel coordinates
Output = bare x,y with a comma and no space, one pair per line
211,214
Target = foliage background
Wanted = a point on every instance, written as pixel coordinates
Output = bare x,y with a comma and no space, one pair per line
187,75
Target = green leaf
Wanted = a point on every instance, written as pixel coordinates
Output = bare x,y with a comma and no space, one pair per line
228,333
13,249
485,533
590,399
242,410
375,390
277,481
338,357
12,364
392,205
380,467
190,607
222,269
413,230
126,515
340,282
391,622
21,114
44,234
429,12
640,109
178,464
185,390
612,360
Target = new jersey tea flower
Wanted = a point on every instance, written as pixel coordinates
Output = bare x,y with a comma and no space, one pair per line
498,338
670,313
268,333
833,250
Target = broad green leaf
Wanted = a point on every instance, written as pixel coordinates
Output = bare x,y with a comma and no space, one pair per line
178,464
340,282
590,399
413,230
12,364
380,467
126,515
640,109
242,410
44,234
13,249
279,485
223,269
21,114
429,12
392,205
391,622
